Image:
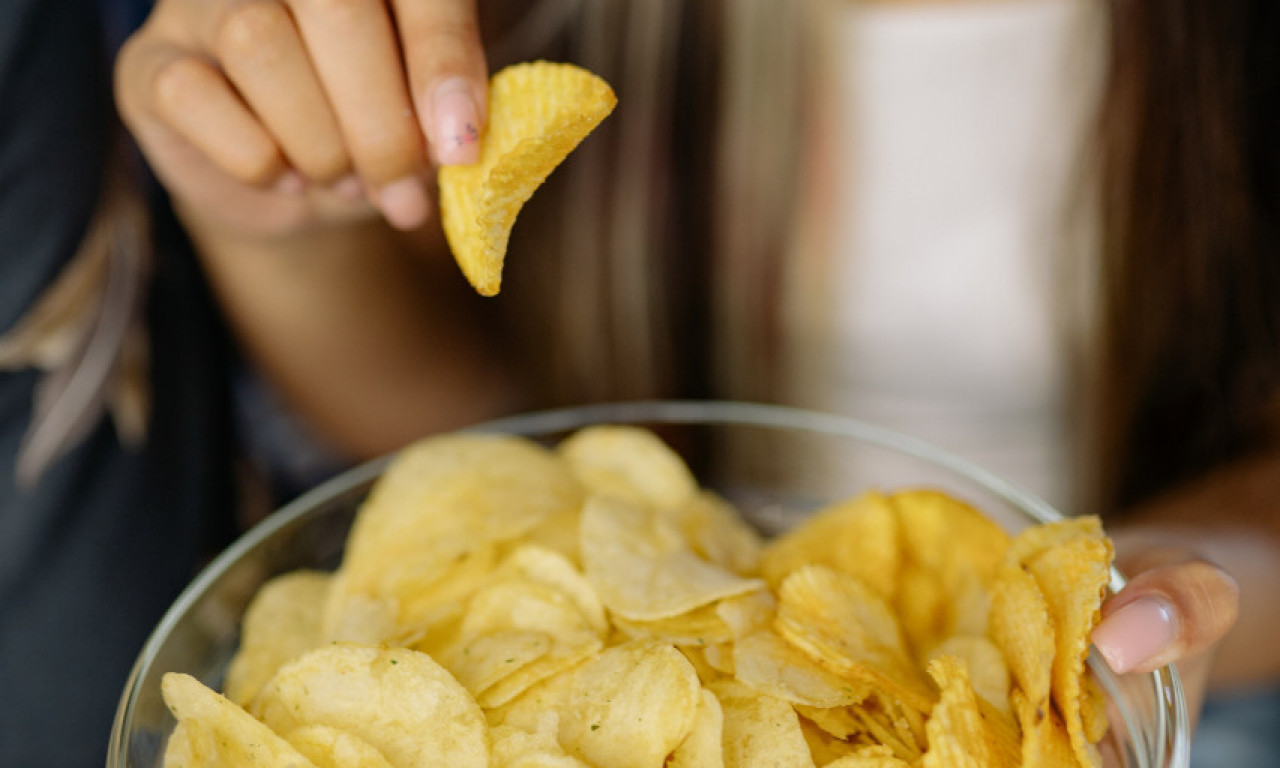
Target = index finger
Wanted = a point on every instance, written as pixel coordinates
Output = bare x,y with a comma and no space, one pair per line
448,76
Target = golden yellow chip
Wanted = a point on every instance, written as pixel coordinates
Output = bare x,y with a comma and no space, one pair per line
1073,576
703,747
1022,629
517,748
840,623
770,664
441,501
869,757
218,732
1045,741
759,729
281,623
643,568
629,707
986,666
630,463
858,537
334,748
399,701
538,113
959,737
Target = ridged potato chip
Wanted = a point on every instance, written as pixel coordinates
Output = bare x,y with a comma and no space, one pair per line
629,463
704,746
399,701
759,729
1073,576
840,623
281,623
334,748
217,732
959,735
629,707
538,113
859,537
770,664
441,501
643,568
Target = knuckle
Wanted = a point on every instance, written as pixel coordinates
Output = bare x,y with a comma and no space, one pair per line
336,9
251,28
177,80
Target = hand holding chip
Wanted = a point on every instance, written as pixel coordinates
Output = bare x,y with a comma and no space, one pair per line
276,115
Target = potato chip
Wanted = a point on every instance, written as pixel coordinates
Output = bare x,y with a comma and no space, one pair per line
516,748
719,534
641,566
1023,631
958,735
870,757
629,707
281,623
517,630
1073,577
950,552
538,113
218,732
859,537
333,748
823,747
759,729
631,464
702,627
543,566
770,664
703,747
985,664
441,501
1045,741
399,701
844,626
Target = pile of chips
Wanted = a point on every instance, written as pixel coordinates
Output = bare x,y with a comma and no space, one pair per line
505,604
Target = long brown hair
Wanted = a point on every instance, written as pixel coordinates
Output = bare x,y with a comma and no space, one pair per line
1191,239
610,286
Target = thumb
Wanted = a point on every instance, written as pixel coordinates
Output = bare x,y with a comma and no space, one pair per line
1167,612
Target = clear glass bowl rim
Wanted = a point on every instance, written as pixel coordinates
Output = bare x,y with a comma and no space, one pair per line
1171,713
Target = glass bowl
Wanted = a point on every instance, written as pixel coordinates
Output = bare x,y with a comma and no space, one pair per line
777,464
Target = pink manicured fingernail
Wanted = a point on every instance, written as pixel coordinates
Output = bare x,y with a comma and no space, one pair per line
1135,633
457,123
404,202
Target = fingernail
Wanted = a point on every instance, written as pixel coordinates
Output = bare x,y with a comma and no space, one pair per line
349,187
1135,633
456,133
404,202
290,183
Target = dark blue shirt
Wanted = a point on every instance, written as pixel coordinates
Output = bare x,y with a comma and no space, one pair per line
92,555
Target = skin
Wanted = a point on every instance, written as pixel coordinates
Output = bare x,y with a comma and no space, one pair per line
298,141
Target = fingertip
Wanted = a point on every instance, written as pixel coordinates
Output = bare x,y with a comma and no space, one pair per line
455,125
1136,633
404,203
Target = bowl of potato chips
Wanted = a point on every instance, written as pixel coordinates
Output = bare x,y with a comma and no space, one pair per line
652,584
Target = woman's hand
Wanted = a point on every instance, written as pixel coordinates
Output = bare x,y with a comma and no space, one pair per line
268,117
1175,609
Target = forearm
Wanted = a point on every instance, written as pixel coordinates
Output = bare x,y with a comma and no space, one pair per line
1231,518
370,335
